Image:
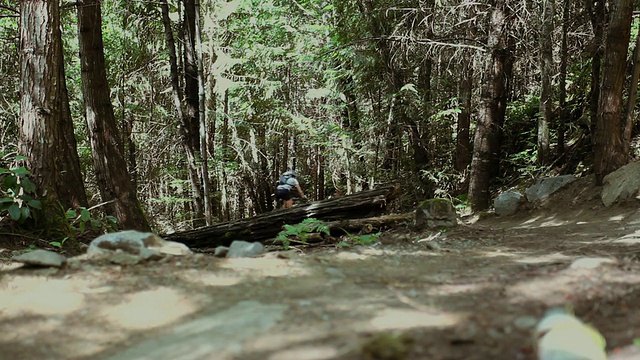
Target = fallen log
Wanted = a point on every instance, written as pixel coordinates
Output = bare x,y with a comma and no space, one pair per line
266,226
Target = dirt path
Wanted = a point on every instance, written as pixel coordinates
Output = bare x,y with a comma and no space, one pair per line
473,292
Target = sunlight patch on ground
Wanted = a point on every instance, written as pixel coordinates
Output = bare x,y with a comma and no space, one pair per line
554,289
207,278
306,353
400,319
264,267
629,239
275,341
452,289
350,256
497,254
41,296
542,259
149,309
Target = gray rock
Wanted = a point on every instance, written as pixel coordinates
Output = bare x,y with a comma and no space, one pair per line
508,202
130,242
435,213
41,258
217,336
621,185
172,248
244,249
544,187
221,251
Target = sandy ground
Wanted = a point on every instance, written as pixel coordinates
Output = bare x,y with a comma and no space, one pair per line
473,292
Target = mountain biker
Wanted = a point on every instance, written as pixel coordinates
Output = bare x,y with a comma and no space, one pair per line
288,188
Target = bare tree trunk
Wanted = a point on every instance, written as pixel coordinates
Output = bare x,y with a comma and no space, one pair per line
597,12
609,146
463,141
486,146
562,95
206,194
546,66
106,143
46,132
633,92
176,95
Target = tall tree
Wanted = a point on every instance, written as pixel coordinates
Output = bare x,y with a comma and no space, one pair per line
47,136
609,147
107,149
486,145
546,73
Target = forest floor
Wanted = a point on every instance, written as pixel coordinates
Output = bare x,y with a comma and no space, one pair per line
473,292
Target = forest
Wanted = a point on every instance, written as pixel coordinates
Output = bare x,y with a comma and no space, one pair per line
171,115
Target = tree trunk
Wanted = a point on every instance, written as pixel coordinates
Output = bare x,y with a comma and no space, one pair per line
609,146
463,143
486,147
546,67
176,95
106,143
46,132
597,12
631,104
202,121
562,94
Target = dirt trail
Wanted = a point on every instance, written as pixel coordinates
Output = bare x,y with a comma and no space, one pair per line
473,292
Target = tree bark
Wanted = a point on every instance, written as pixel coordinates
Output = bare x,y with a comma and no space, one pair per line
609,146
268,225
562,94
46,133
463,141
202,121
597,11
484,164
631,103
546,67
107,149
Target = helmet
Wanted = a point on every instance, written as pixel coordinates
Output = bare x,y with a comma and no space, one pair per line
291,173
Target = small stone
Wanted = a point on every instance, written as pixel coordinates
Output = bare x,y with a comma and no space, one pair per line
244,249
41,258
221,251
334,272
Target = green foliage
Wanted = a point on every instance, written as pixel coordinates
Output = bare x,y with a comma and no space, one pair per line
301,231
365,239
17,192
79,222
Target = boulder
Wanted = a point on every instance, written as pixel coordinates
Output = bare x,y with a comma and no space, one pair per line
546,186
41,258
621,185
435,213
508,202
136,244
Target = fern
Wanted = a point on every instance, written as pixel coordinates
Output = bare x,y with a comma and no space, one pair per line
301,231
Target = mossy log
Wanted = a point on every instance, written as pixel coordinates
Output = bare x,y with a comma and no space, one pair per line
266,226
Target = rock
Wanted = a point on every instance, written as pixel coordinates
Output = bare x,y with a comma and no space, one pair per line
621,185
547,186
436,213
130,242
221,251
172,248
41,258
244,249
508,202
